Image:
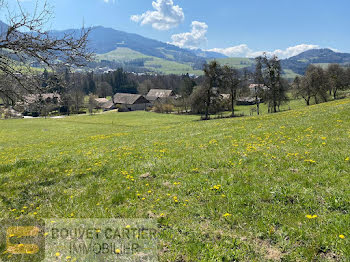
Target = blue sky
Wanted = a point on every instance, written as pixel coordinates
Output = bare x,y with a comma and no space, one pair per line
233,27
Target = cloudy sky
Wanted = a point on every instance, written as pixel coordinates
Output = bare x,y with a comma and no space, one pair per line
237,28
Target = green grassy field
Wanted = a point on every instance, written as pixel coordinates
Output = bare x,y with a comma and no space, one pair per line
236,62
156,64
268,188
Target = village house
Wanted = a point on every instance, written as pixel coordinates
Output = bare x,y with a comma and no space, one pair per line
48,98
130,102
254,88
105,104
35,100
159,95
246,101
101,101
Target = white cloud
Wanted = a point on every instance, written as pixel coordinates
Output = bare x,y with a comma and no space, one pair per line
193,39
109,1
234,51
244,51
166,15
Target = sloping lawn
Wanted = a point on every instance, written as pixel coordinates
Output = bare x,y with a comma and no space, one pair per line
250,189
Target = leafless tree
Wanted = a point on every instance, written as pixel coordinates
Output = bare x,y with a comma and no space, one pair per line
92,104
336,79
231,82
213,75
25,41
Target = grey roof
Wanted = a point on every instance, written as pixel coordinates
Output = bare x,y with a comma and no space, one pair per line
129,99
152,98
101,100
161,93
107,105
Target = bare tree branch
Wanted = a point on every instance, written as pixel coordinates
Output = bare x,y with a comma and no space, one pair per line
27,41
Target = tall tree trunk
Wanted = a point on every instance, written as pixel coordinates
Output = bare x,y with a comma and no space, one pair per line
207,105
257,105
307,101
232,103
185,104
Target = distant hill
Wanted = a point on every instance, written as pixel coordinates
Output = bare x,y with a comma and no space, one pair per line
131,50
208,54
104,40
299,63
132,60
134,52
3,27
295,65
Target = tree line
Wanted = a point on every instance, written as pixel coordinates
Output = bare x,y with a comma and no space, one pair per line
268,86
320,84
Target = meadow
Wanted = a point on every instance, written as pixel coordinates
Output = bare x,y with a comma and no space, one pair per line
154,64
274,187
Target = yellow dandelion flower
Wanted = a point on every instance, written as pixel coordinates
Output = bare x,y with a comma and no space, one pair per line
311,216
341,236
227,215
57,254
117,251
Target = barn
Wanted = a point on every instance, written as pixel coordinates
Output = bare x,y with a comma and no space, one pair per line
159,94
130,102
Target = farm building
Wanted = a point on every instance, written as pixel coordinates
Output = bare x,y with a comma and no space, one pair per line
48,98
159,94
101,101
246,101
255,87
105,104
108,106
131,102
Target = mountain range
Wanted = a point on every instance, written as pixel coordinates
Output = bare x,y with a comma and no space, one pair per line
135,51
299,63
114,48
